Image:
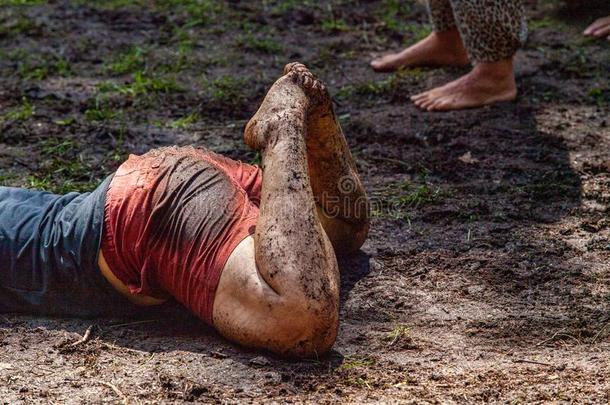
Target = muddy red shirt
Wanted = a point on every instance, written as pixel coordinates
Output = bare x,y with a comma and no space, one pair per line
172,218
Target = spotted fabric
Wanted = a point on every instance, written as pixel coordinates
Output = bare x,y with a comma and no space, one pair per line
492,30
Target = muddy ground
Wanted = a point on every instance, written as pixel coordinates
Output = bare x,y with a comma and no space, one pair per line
486,276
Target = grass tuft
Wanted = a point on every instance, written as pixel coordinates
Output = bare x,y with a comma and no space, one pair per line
185,121
63,169
21,113
129,62
400,336
142,84
225,89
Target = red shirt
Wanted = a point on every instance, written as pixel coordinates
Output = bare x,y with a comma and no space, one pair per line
173,216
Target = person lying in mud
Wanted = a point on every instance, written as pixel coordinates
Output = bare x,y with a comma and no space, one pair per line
485,33
250,252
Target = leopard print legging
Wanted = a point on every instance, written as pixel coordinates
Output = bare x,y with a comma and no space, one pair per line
492,30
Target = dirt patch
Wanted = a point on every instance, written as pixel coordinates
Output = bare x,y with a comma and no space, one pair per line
486,276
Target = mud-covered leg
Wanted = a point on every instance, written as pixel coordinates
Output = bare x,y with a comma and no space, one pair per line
332,170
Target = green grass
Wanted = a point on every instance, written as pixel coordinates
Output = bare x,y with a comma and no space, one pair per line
6,179
373,88
333,24
225,89
48,183
398,199
21,2
130,61
65,122
99,111
350,362
185,50
54,146
546,22
142,84
415,195
257,159
416,32
397,82
600,96
394,13
361,381
112,4
21,113
398,332
29,69
281,7
184,121
199,12
400,336
16,25
250,42
63,169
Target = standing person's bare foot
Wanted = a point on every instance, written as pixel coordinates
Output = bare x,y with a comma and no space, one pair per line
600,28
487,83
437,49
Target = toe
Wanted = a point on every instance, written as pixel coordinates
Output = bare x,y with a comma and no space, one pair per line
432,105
428,103
419,96
441,104
423,102
377,65
292,66
307,81
288,67
419,101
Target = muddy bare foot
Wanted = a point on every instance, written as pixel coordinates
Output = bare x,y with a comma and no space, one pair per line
487,83
437,49
285,100
299,92
310,83
321,117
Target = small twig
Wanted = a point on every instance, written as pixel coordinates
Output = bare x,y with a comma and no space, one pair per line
45,372
116,391
549,339
533,362
558,334
85,337
600,332
133,323
127,349
391,160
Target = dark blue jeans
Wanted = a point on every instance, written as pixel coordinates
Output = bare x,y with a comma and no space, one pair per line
49,247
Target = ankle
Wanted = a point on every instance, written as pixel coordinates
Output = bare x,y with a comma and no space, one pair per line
450,37
501,70
450,43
